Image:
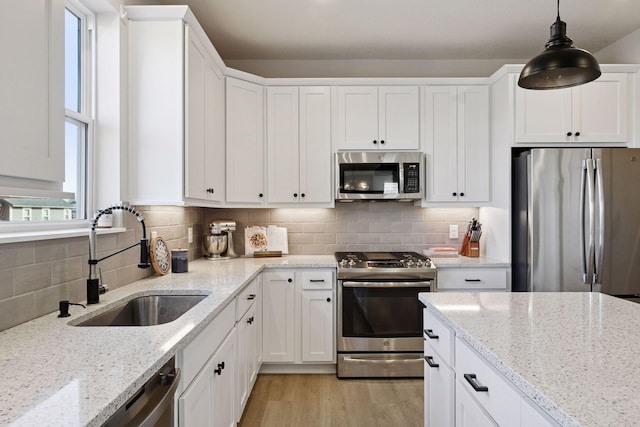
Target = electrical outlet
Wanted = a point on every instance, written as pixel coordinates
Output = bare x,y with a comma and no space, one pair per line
154,234
453,231
190,234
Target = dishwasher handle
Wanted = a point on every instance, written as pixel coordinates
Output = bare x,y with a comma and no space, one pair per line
152,404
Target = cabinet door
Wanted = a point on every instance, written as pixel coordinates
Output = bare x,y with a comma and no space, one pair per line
208,400
441,139
317,326
224,383
439,388
469,413
245,148
283,182
599,111
278,316
316,166
204,131
543,115
399,117
32,88
357,118
473,144
243,357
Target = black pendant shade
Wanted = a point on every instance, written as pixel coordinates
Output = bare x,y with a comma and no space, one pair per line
560,65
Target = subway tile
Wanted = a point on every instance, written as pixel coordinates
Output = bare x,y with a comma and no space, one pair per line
6,283
324,238
368,238
77,290
347,238
50,250
300,238
412,238
67,270
400,227
32,277
17,254
435,214
313,227
17,310
48,300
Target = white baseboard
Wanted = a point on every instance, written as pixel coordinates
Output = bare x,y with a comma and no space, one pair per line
279,368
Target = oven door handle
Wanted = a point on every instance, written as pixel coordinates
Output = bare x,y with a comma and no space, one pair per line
417,359
421,284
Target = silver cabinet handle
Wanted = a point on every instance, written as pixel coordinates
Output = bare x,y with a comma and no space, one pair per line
583,247
601,213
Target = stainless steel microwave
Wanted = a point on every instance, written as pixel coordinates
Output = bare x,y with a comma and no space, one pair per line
379,175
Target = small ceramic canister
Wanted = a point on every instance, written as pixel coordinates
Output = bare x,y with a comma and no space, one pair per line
179,260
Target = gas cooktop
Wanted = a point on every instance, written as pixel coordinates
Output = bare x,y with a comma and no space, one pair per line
374,265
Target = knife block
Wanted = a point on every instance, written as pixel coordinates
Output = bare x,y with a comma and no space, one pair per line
469,248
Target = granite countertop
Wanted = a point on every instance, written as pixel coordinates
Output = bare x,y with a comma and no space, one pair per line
470,262
574,354
58,374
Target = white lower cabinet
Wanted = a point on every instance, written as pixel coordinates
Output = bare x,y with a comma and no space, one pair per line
439,392
248,354
462,389
298,316
209,400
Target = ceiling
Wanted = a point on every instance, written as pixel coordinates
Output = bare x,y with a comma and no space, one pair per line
404,29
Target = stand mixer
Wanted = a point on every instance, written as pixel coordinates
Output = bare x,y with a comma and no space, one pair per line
218,244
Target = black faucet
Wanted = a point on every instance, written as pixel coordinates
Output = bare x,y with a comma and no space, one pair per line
93,282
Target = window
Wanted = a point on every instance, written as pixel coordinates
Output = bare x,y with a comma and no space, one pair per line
78,54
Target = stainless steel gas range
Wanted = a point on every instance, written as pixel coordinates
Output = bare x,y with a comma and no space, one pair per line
379,315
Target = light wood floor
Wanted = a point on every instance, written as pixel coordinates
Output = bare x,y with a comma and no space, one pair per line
324,400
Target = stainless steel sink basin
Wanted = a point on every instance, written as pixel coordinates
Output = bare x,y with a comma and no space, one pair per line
146,310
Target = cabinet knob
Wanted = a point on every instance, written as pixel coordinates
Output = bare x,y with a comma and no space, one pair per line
382,141
289,280
375,142
302,195
462,194
295,194
577,133
569,133
328,299
261,195
455,194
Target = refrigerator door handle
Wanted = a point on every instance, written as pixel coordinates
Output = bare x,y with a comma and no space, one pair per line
583,247
592,220
600,247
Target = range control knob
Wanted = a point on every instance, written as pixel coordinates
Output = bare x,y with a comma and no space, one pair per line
351,263
411,263
343,262
420,263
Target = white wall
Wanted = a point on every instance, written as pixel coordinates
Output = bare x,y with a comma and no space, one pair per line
624,51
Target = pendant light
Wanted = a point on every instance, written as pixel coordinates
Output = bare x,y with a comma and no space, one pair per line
561,64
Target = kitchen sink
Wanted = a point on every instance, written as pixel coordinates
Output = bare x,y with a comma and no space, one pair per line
146,310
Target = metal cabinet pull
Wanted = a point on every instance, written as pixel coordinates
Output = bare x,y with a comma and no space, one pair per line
472,280
430,362
316,280
251,296
430,334
471,379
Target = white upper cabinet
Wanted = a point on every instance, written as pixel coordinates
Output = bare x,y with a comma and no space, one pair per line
32,92
596,112
204,139
457,143
176,111
245,142
378,118
299,145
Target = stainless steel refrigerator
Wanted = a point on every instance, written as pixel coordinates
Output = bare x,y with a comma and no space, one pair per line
576,220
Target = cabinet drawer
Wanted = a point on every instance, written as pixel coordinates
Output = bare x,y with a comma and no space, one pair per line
316,279
472,279
205,344
246,297
499,399
438,336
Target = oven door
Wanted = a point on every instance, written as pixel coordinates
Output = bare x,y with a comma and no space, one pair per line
378,316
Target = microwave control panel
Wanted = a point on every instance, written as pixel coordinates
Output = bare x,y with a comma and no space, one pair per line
411,177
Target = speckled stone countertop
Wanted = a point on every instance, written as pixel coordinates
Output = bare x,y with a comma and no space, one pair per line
56,374
468,262
575,354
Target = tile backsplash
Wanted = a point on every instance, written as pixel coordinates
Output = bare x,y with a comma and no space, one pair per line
353,226
35,276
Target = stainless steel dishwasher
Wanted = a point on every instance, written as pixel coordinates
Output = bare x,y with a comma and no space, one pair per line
152,404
